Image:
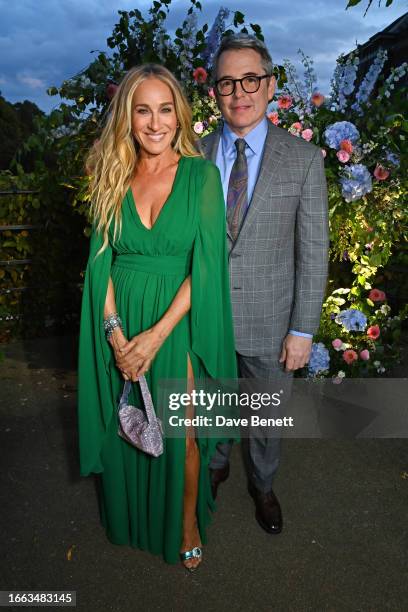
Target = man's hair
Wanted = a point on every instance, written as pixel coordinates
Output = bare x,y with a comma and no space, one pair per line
244,41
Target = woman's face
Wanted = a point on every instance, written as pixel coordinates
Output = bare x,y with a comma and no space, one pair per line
154,119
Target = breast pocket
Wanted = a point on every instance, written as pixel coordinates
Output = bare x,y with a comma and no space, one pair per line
285,190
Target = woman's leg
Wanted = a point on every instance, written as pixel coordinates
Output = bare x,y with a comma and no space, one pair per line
191,535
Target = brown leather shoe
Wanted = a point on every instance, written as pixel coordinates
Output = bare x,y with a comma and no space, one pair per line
217,477
268,511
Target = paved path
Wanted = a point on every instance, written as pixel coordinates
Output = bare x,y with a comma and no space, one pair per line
343,548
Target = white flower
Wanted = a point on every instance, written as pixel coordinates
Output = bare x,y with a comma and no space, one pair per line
341,374
84,81
385,309
376,364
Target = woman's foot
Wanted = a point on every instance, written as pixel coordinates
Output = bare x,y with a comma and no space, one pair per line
191,543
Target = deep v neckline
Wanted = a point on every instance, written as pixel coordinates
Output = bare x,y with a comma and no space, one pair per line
165,204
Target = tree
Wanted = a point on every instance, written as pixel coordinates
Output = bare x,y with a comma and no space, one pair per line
17,123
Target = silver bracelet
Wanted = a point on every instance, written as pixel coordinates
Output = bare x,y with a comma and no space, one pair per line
110,323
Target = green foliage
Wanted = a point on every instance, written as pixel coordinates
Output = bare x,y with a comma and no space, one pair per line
16,124
368,236
352,3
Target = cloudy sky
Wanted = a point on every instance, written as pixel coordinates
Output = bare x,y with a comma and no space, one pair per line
43,42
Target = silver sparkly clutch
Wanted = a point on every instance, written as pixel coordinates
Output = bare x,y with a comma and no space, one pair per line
141,429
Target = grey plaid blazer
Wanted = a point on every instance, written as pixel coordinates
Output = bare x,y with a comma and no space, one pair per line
278,264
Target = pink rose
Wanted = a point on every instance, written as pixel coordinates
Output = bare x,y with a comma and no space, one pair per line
317,99
198,127
376,295
200,75
380,173
296,126
307,134
343,156
373,332
111,90
285,102
211,92
349,356
365,355
337,344
324,153
346,145
274,117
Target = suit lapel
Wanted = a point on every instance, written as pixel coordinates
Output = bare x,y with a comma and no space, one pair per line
274,155
210,144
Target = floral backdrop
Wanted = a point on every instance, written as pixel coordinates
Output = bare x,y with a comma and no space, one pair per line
360,128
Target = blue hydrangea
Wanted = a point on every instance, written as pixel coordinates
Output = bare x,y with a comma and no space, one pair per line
356,182
352,319
319,359
392,158
341,130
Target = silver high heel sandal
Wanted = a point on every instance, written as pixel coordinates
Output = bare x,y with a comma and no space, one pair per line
195,553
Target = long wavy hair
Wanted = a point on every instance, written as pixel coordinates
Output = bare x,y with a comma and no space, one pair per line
111,161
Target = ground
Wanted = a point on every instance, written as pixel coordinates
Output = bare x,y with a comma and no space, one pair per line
343,547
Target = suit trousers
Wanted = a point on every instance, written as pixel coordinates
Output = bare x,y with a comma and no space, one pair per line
261,452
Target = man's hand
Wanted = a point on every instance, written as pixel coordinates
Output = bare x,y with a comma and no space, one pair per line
295,352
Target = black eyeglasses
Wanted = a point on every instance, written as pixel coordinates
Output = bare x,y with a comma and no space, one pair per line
250,84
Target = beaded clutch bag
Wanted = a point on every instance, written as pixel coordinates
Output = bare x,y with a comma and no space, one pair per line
141,429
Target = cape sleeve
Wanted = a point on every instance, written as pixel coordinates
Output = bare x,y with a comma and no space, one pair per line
95,406
211,313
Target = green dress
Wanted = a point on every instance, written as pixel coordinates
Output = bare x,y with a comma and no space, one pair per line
141,497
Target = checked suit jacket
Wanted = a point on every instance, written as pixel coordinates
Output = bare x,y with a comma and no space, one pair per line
278,263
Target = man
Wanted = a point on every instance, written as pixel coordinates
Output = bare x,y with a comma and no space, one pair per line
277,220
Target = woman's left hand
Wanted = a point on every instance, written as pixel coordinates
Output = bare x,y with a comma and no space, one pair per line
137,355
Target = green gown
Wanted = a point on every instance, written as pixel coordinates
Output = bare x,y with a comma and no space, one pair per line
141,497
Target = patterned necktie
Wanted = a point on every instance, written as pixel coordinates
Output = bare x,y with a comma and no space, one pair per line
237,197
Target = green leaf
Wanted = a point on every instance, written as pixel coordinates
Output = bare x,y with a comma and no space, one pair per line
352,3
239,18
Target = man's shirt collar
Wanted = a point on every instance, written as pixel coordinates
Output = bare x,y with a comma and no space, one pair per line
255,139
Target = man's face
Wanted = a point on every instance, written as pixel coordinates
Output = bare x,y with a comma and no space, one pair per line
243,111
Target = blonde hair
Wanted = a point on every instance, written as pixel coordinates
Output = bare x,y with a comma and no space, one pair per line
113,158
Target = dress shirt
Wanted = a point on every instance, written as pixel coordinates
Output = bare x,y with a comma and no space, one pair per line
226,154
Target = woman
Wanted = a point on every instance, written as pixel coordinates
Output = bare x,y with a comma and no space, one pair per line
157,276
